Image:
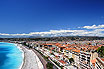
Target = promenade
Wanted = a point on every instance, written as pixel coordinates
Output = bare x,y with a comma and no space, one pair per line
31,60
41,58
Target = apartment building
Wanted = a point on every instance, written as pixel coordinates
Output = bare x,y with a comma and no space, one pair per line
81,52
75,56
84,58
99,63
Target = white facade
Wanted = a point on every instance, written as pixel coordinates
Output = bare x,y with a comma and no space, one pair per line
84,60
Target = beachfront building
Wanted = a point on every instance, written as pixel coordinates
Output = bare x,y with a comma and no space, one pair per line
67,52
99,63
62,52
75,56
84,60
87,59
72,53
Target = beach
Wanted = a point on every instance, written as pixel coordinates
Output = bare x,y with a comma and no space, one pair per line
31,60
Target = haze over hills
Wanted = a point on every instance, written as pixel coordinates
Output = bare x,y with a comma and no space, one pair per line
65,38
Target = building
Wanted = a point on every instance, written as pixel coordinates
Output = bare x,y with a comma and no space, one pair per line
84,58
99,63
75,56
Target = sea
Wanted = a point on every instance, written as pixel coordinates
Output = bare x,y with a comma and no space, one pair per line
10,56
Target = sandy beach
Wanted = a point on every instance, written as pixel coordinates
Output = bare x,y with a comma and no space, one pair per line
31,61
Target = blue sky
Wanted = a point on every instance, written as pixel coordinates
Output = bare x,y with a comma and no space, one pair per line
25,16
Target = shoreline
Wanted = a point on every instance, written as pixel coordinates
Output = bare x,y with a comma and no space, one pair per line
30,60
20,67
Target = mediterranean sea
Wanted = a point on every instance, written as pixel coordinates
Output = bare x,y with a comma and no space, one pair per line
10,56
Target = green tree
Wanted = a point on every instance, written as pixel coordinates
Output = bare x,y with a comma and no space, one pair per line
49,65
71,60
100,51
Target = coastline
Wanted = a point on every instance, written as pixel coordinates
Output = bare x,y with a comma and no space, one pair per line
20,67
30,59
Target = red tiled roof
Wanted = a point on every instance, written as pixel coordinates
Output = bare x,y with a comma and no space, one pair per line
76,50
63,62
68,48
102,59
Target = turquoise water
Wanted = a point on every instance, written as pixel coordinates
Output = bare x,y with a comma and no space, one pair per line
10,56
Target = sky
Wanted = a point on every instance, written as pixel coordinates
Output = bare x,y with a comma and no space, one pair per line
23,17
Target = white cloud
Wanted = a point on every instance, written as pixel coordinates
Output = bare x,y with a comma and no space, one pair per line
96,32
94,27
51,33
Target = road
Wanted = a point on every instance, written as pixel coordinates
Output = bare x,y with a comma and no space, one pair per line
41,59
